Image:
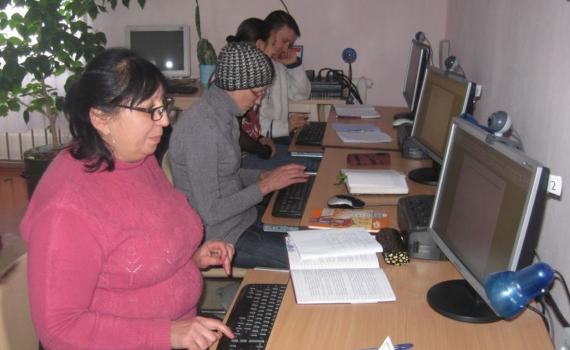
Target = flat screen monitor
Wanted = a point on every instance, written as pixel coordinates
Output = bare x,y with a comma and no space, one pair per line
444,95
168,47
486,217
419,58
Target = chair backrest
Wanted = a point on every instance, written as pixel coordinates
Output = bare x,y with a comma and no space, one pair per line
165,165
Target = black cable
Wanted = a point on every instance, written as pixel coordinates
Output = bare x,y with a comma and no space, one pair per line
535,310
546,311
285,6
550,302
563,281
341,78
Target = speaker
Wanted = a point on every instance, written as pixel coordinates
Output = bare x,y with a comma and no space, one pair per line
443,52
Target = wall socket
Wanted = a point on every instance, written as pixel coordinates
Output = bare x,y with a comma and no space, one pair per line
565,339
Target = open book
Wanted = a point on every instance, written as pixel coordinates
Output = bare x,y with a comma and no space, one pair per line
332,278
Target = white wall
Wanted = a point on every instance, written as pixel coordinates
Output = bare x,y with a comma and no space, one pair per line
379,30
519,51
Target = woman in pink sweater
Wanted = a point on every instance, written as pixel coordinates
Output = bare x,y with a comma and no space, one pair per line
114,250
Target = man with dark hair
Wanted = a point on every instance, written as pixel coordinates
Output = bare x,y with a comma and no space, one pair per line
290,83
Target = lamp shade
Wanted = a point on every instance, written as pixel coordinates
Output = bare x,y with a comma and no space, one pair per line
509,292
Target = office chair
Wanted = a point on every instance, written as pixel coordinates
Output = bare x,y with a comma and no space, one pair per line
213,272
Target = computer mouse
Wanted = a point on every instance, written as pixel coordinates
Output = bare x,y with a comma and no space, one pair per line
345,201
402,121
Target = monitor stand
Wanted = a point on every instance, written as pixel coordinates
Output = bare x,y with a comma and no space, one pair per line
406,115
457,300
426,176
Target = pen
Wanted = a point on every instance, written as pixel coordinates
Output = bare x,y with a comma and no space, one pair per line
402,346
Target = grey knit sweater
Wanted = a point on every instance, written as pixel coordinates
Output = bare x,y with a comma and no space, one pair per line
206,156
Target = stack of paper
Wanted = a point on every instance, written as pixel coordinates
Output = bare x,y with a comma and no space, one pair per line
360,133
360,181
337,266
356,111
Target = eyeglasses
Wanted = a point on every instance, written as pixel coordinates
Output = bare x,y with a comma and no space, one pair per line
258,94
156,113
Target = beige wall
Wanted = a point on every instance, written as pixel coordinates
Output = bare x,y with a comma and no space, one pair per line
518,50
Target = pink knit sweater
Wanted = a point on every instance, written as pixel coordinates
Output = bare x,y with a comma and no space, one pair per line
110,256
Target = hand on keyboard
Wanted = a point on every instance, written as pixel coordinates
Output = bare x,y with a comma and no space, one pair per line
282,177
197,333
298,121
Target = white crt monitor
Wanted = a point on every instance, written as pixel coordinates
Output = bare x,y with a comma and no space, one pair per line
166,46
486,217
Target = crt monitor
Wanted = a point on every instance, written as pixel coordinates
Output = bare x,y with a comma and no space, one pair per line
168,47
419,58
444,95
486,217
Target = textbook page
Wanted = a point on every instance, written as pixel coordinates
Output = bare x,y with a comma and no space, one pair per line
334,242
341,286
332,262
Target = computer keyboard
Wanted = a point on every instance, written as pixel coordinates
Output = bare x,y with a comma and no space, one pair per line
290,201
181,89
312,134
252,316
414,212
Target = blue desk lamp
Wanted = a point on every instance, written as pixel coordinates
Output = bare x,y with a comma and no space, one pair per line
509,292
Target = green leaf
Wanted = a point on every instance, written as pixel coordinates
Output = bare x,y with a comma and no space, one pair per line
142,3
125,3
26,117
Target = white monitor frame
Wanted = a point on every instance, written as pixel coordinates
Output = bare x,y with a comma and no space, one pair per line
171,74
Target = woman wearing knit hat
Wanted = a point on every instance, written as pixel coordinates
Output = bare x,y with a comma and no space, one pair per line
205,157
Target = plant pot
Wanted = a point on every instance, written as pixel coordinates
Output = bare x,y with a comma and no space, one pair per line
36,161
206,71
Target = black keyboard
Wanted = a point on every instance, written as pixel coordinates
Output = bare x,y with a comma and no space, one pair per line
252,316
414,212
290,201
312,134
181,89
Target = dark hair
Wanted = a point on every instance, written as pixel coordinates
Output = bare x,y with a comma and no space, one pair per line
278,19
115,76
250,30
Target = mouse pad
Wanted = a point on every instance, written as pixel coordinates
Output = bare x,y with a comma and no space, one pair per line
357,160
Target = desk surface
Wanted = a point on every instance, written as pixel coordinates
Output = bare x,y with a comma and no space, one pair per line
408,319
335,159
331,138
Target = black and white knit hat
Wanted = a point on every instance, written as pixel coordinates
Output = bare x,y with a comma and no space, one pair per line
243,66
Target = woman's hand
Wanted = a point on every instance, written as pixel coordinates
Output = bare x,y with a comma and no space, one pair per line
297,121
215,253
268,142
198,333
281,177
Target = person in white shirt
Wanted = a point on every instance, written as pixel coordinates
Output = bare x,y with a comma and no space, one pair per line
290,83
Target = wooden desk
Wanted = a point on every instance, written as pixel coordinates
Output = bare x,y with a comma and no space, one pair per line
335,159
331,139
408,319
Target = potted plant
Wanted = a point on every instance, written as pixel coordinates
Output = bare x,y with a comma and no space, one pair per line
206,53
43,41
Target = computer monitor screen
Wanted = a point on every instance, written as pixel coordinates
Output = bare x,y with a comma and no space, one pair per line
444,96
419,57
486,217
168,47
